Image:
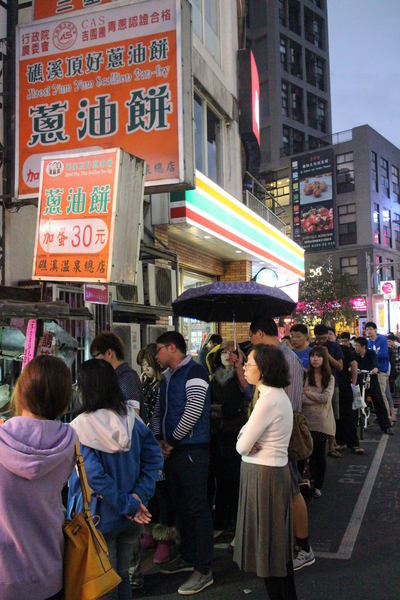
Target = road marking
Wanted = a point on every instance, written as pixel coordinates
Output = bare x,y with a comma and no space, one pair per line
350,536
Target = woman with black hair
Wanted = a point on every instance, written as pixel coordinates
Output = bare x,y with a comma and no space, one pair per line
264,531
317,409
122,461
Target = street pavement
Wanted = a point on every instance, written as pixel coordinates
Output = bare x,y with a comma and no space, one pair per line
354,532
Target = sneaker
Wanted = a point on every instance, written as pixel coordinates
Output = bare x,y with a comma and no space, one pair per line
303,559
176,565
196,583
136,579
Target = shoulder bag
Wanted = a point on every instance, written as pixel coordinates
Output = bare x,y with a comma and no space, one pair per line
88,573
301,442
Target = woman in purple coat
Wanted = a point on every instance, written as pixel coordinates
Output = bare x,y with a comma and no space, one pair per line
37,457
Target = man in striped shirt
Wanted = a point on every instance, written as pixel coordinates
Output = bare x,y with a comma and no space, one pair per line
181,422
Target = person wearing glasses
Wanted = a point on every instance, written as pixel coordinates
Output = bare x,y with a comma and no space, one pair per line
181,423
109,347
264,533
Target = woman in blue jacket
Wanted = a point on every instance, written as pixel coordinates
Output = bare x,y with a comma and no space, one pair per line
122,460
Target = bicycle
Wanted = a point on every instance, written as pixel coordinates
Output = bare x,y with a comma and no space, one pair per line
359,402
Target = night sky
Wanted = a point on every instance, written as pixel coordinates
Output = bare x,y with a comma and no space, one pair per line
364,48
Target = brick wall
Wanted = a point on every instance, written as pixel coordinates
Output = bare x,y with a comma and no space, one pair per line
238,270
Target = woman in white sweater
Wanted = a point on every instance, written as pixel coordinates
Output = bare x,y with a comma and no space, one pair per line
317,409
264,538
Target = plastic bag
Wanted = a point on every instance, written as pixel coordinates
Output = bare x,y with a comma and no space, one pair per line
358,401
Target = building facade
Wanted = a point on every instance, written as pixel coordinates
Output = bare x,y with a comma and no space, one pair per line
193,237
289,39
366,207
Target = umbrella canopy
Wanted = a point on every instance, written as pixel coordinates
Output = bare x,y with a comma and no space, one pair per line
240,301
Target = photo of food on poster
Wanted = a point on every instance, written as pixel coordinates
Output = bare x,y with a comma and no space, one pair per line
316,225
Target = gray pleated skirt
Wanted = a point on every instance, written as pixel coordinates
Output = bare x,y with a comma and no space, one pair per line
264,531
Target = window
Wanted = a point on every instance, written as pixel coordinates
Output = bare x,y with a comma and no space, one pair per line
213,128
298,141
344,172
396,230
315,70
395,181
292,141
283,52
347,224
316,109
295,59
198,133
286,143
280,190
374,170
282,12
208,140
205,14
285,98
387,227
294,16
384,175
376,224
297,103
313,27
349,265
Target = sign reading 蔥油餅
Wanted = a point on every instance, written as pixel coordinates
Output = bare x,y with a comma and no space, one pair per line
117,76
312,200
89,217
50,8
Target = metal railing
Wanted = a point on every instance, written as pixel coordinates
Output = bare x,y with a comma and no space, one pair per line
262,211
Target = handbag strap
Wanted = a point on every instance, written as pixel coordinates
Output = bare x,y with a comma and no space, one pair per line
86,495
80,463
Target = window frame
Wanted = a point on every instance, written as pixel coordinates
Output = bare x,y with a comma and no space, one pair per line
202,38
348,268
342,187
384,175
220,171
347,224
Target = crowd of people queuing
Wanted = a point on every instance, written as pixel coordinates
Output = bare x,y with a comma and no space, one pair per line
188,453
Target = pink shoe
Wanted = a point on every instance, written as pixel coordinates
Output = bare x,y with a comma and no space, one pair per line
147,542
162,553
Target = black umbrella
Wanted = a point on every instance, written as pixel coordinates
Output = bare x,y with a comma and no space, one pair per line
240,301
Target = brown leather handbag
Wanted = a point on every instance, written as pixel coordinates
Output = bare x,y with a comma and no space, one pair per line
88,573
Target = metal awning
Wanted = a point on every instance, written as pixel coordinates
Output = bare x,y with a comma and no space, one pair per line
42,310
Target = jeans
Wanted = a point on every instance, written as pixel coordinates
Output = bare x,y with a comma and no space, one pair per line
121,543
186,472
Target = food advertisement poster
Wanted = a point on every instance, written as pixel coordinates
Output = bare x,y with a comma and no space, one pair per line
105,78
76,211
312,198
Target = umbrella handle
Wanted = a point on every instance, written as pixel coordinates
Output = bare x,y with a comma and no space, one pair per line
234,333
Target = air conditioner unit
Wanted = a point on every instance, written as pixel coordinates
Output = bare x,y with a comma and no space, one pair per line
131,294
161,285
154,331
130,335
